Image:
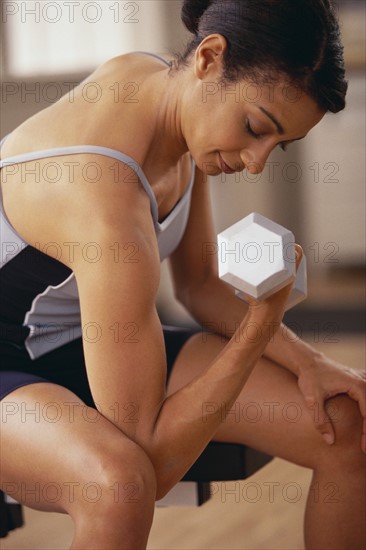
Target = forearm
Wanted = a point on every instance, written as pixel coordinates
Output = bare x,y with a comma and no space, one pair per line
216,307
287,349
189,418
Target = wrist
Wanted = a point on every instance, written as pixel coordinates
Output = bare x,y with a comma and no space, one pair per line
313,360
289,351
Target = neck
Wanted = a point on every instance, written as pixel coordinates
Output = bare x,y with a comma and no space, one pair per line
166,95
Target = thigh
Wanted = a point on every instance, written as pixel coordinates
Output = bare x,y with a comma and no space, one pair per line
51,445
64,366
269,414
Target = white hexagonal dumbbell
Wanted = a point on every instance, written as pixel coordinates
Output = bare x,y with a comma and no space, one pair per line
257,257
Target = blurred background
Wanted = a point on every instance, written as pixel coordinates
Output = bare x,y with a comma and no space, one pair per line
316,189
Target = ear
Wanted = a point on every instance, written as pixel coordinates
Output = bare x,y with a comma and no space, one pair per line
208,60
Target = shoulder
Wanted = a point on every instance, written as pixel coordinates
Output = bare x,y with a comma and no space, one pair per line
138,58
127,68
94,196
88,184
97,111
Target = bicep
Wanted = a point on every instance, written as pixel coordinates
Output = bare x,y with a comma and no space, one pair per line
122,335
117,285
195,259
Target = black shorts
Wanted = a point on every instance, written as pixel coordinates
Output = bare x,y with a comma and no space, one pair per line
66,365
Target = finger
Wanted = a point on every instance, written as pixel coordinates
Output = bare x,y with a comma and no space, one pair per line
279,298
299,254
321,418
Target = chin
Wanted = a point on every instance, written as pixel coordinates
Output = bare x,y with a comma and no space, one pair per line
207,164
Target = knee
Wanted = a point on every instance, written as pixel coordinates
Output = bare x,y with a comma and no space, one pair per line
114,477
128,474
131,472
346,419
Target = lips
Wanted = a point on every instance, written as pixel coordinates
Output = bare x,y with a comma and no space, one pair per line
224,167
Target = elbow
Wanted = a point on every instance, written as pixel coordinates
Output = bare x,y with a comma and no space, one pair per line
166,479
168,471
163,486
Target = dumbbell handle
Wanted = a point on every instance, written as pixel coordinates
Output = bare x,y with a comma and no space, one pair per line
299,289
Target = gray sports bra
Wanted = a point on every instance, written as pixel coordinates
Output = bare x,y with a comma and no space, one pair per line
169,232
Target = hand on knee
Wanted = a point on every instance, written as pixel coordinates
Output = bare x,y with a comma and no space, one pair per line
346,419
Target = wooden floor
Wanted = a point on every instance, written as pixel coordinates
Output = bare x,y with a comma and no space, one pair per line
231,519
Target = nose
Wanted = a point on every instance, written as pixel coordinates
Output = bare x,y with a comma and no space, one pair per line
255,159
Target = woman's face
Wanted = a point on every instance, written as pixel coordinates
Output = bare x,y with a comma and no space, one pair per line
235,126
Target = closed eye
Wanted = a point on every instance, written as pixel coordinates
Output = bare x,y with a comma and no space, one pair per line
283,146
251,132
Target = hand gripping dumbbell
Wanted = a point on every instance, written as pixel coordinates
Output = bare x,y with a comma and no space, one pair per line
257,257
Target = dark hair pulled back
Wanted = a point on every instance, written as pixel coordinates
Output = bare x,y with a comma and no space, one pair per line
297,39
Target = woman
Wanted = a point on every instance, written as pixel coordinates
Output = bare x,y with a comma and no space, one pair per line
88,223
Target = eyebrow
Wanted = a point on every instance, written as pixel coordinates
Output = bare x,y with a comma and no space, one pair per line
279,126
